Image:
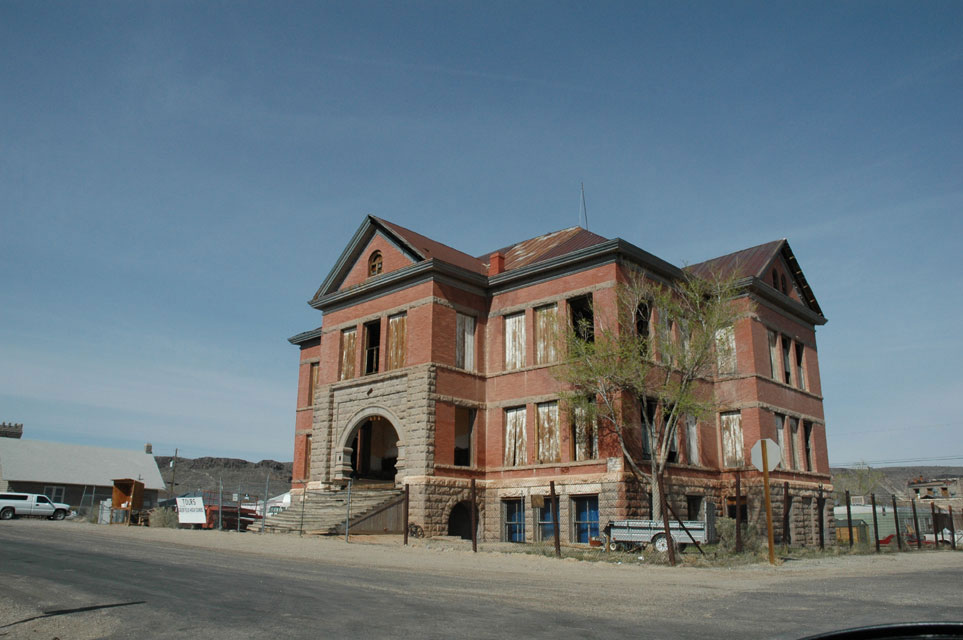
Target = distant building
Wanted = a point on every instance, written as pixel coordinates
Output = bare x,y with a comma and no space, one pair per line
76,474
11,430
936,489
435,368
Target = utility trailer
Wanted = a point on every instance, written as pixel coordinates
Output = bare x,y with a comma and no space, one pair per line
630,534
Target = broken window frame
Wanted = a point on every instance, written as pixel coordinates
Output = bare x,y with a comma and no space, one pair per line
651,407
372,347
465,341
643,325
774,354
514,341
725,339
585,435
793,425
582,316
349,342
467,417
692,440
807,433
779,423
800,368
787,359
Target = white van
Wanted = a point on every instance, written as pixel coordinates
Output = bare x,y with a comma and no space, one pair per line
31,504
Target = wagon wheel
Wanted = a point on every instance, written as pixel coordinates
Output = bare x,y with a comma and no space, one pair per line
415,531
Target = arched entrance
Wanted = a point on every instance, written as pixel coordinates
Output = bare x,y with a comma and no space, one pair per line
459,520
374,450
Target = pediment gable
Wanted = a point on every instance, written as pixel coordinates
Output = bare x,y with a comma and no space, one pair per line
783,274
352,267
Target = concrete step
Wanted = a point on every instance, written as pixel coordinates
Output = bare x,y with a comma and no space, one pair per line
324,511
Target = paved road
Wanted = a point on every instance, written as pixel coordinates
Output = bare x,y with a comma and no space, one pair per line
173,591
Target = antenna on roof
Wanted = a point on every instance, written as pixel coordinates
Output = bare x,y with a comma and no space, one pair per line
583,212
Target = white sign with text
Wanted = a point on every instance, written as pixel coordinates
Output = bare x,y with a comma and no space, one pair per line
191,511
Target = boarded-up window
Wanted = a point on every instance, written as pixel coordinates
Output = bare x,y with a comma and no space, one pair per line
786,360
397,341
465,342
779,424
794,442
726,350
773,355
312,382
732,443
547,429
546,334
800,374
515,440
585,434
348,342
692,440
515,341
307,456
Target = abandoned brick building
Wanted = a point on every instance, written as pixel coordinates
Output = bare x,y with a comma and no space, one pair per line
432,368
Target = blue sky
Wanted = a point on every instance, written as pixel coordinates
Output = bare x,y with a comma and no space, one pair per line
176,179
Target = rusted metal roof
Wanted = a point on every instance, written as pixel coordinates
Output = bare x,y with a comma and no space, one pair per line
546,246
430,249
741,264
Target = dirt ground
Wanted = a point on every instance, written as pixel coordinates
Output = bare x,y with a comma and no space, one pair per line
662,586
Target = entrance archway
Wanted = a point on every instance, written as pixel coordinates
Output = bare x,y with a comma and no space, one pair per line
374,450
459,520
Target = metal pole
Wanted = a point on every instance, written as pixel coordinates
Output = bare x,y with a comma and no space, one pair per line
872,498
738,514
916,526
238,506
558,546
173,471
952,528
347,515
407,493
474,518
304,498
849,519
220,504
820,506
786,535
899,537
936,537
267,484
765,480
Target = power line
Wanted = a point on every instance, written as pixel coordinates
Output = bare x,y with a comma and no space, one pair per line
894,429
872,462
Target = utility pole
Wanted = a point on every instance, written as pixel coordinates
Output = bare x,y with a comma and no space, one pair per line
173,471
267,480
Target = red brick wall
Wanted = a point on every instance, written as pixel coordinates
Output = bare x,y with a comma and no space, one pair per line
392,260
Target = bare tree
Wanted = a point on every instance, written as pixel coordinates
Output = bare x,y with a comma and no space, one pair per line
644,368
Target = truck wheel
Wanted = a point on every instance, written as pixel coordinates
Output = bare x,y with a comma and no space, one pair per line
660,543
7,514
59,514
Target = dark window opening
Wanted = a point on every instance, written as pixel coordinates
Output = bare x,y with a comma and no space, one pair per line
800,374
786,360
648,411
459,520
782,281
642,315
583,321
372,344
775,280
464,429
743,508
693,507
808,439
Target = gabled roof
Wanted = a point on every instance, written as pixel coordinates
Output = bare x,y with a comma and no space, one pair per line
428,249
546,246
754,262
60,463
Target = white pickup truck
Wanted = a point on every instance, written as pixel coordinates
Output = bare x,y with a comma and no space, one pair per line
31,504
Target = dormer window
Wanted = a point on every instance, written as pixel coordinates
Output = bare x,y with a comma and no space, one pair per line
374,264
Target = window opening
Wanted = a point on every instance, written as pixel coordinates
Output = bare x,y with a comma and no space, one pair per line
775,280
807,441
397,341
649,407
782,281
375,264
348,341
779,423
773,355
56,494
583,320
800,374
786,360
372,345
726,350
732,442
546,333
515,441
464,341
546,426
514,520
586,518
794,442
743,507
312,382
464,430
307,457
515,341
642,316
693,507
